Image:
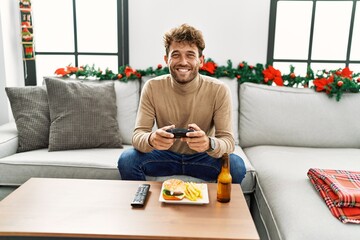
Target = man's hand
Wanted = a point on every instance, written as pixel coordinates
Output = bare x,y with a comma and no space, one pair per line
162,140
197,140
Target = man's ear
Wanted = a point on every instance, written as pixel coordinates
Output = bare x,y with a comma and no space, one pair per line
202,60
166,59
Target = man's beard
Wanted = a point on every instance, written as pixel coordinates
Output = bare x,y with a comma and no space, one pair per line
178,77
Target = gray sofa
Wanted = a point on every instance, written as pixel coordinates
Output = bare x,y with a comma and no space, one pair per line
282,133
93,163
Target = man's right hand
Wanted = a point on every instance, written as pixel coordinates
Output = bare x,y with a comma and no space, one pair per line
162,140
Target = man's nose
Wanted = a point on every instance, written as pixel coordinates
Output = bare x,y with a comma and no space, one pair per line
183,60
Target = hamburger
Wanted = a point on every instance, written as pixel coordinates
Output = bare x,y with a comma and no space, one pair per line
173,189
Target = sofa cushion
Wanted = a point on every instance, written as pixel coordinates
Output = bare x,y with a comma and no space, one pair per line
234,89
290,206
95,163
248,183
272,115
92,163
8,139
82,115
127,102
30,108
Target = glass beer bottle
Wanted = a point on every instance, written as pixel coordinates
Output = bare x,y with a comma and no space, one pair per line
224,181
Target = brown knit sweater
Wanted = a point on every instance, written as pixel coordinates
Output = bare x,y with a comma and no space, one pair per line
204,101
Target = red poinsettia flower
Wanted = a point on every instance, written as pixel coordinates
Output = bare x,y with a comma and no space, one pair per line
72,69
346,73
129,71
273,74
62,71
323,84
209,67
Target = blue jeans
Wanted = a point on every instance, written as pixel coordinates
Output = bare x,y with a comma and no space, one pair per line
135,165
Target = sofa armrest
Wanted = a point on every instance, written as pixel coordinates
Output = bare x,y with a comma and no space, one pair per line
8,139
248,183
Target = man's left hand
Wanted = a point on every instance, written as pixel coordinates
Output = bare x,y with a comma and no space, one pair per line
197,140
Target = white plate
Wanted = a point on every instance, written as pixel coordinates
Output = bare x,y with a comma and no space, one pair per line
203,200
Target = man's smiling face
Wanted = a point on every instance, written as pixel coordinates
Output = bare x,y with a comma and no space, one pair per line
183,61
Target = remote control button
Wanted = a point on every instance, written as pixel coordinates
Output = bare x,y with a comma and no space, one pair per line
140,195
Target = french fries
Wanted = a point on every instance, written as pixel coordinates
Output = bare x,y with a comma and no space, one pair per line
192,191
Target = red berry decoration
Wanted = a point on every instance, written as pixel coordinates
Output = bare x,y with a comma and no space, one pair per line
159,66
238,76
292,75
119,76
340,83
358,80
241,65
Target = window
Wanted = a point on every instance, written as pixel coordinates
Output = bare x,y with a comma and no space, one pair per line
322,34
78,32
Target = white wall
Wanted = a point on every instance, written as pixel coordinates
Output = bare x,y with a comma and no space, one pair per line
3,103
233,29
11,67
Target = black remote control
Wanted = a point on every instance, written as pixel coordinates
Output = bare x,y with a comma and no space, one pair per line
140,195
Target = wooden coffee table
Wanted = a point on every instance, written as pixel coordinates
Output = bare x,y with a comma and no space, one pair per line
78,208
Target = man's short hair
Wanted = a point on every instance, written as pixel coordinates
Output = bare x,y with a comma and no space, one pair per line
184,33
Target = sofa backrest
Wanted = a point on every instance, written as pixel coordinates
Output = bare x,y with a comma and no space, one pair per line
127,102
272,115
234,90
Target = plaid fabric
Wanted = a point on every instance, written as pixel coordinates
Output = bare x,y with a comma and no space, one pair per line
340,190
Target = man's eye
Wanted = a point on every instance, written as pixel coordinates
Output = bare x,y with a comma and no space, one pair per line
175,55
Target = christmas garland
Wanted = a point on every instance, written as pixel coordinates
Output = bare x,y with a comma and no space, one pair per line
333,82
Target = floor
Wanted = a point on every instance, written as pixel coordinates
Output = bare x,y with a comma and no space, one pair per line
4,191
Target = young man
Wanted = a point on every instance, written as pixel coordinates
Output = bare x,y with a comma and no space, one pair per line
182,99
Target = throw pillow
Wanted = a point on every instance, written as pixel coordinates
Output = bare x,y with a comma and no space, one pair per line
83,115
30,109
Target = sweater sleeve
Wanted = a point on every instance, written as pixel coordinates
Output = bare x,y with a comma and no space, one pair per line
144,121
224,138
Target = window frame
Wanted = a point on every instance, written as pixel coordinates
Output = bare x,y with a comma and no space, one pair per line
123,44
272,31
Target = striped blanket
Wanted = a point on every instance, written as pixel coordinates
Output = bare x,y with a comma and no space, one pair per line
340,190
